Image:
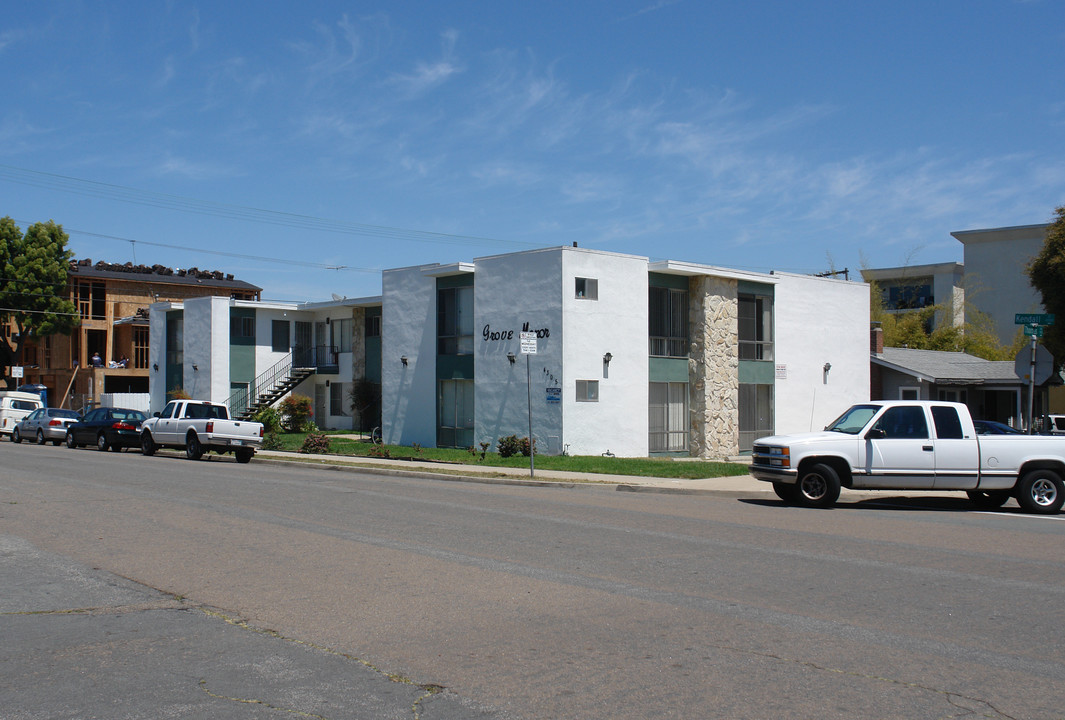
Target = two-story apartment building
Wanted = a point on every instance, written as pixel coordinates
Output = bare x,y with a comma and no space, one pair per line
112,301
632,357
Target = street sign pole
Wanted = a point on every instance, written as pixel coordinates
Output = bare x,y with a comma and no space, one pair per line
1031,388
528,347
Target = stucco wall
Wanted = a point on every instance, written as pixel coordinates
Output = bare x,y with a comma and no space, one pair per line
511,291
818,321
996,281
157,355
408,328
615,323
206,348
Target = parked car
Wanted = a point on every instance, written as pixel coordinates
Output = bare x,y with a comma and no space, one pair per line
990,427
14,406
107,428
45,424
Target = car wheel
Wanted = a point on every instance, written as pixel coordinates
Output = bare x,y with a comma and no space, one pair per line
193,448
787,492
40,436
1041,492
101,442
818,486
147,444
70,441
989,499
15,436
244,456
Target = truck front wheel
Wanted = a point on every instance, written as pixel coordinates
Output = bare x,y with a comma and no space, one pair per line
1041,492
818,486
147,444
787,492
193,448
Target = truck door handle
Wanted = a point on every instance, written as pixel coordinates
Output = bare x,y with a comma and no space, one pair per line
927,448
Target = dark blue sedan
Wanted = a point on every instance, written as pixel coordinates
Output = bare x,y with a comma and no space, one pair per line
107,428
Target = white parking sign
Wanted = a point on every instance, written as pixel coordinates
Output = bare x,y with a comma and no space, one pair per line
528,343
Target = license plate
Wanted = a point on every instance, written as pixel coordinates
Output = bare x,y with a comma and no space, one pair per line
236,442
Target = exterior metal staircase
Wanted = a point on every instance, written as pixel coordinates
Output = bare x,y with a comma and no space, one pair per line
267,389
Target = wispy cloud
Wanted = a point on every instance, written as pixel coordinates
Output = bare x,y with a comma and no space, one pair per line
429,75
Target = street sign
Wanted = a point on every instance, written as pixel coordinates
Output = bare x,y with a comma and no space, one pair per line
1035,331
1044,365
528,343
1033,319
16,371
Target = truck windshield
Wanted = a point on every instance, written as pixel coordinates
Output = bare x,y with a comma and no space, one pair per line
852,421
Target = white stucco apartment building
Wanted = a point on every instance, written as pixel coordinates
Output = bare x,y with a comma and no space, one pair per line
633,357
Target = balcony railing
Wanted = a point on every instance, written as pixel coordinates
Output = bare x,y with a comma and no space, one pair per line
316,356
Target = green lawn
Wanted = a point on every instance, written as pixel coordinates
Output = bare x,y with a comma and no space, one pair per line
647,467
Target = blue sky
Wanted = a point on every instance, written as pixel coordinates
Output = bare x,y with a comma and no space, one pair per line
304,147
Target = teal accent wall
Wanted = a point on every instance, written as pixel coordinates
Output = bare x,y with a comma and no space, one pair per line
757,372
675,282
662,369
241,349
373,351
175,350
454,281
746,287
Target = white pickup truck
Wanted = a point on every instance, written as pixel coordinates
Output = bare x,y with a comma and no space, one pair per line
899,445
198,426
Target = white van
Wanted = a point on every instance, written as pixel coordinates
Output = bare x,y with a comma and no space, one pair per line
14,406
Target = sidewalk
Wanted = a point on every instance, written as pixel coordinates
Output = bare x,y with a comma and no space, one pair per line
736,486
487,474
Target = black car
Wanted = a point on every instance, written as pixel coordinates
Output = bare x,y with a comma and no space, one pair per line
990,427
107,427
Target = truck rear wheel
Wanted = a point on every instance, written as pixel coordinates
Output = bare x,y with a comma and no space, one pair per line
244,455
193,448
818,486
1041,492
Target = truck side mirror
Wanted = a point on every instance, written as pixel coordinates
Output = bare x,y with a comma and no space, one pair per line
875,434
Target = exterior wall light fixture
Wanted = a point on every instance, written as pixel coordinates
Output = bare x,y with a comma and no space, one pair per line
511,357
155,366
403,360
607,358
195,367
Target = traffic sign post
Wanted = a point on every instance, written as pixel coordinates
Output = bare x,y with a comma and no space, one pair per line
1040,365
528,347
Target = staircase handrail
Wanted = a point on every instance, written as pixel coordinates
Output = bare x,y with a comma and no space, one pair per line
267,379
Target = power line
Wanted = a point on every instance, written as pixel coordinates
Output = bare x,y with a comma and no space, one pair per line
91,188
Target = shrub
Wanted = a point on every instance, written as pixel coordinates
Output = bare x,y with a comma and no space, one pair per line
178,394
524,445
270,418
297,409
379,451
316,444
272,441
508,446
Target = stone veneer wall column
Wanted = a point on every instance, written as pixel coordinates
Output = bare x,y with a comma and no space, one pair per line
714,367
358,344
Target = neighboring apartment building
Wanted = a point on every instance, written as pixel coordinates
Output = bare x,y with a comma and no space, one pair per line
632,357
916,287
113,302
996,262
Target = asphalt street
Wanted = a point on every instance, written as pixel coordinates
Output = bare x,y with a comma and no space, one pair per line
157,587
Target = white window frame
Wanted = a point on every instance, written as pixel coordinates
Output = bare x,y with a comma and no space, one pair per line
586,288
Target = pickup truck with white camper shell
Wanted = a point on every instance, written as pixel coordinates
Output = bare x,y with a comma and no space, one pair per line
909,445
197,427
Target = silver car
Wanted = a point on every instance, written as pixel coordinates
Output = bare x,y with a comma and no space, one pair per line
44,424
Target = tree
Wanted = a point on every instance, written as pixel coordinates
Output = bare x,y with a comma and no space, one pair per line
1047,275
33,287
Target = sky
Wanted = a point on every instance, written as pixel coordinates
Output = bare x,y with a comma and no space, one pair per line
305,147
